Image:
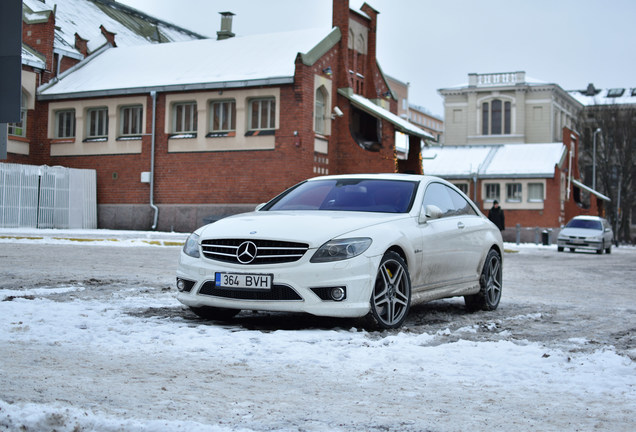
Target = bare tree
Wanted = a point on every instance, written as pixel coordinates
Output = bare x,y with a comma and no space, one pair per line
615,160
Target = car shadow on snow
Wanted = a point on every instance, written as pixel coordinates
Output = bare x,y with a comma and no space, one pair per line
425,317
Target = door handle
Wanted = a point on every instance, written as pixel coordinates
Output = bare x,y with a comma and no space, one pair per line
460,225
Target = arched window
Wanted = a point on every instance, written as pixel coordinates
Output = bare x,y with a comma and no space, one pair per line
320,110
19,129
496,117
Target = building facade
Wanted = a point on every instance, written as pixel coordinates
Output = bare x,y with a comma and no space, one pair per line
506,108
515,140
187,132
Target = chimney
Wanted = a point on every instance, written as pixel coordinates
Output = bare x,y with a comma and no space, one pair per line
226,26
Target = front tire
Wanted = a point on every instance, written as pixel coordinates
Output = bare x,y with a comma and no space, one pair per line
491,285
391,296
214,313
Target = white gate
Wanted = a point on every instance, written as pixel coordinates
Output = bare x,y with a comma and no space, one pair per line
47,197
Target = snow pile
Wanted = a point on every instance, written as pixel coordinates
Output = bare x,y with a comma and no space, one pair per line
118,330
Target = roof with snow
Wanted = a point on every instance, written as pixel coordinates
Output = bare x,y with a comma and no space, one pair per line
85,17
613,96
32,58
377,111
494,161
265,59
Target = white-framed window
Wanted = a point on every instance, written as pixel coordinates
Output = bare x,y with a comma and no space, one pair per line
184,117
97,122
19,129
492,191
65,124
131,118
513,192
223,116
262,114
462,187
320,110
535,192
496,117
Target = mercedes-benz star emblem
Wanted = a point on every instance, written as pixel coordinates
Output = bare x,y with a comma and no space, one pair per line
246,252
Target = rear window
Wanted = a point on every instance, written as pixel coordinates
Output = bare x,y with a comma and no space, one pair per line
367,195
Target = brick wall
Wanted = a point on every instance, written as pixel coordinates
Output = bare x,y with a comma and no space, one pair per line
40,37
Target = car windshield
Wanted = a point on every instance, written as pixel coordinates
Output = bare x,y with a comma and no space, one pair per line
584,223
367,195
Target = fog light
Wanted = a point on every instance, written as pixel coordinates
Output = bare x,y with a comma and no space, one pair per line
181,285
337,294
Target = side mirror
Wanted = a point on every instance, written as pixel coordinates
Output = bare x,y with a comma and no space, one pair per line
430,212
260,206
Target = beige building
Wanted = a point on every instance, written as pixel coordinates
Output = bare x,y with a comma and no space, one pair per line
506,108
422,118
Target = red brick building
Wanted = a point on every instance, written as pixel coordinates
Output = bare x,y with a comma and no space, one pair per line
184,132
536,184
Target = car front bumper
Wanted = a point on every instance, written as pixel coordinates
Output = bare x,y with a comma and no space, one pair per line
579,243
297,287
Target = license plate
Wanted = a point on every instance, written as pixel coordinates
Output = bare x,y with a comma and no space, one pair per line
243,281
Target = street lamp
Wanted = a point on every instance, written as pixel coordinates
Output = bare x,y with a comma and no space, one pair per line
597,131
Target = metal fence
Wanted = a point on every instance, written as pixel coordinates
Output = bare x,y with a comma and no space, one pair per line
47,197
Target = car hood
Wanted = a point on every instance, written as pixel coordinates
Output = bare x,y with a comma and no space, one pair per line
580,232
312,227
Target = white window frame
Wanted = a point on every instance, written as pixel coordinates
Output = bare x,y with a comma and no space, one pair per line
100,128
227,117
462,186
20,129
540,192
514,192
60,120
488,129
266,112
492,197
131,118
188,117
320,112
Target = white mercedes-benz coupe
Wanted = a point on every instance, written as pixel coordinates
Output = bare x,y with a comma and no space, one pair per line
346,246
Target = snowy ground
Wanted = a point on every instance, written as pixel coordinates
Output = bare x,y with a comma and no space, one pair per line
91,338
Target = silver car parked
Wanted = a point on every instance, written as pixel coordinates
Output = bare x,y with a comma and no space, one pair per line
586,232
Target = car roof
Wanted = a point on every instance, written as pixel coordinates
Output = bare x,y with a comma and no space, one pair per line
588,217
376,176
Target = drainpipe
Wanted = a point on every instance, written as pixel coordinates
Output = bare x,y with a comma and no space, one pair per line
152,160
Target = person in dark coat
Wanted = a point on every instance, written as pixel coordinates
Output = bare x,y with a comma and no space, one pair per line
496,215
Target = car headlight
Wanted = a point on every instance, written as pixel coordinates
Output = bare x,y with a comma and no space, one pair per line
336,250
191,246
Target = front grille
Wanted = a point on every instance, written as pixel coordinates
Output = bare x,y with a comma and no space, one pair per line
267,251
278,292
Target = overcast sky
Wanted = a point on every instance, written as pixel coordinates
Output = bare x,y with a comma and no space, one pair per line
434,44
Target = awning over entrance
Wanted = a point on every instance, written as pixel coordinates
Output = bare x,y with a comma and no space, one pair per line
377,111
590,190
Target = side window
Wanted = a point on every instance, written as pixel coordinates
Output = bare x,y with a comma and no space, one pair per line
449,202
462,207
437,194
